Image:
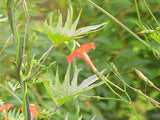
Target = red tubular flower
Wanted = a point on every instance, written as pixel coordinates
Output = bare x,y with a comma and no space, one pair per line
8,106
82,52
33,109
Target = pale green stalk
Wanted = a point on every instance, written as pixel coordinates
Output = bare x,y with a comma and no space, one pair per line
122,25
114,68
12,93
24,106
156,88
151,13
28,57
141,26
138,91
140,22
103,78
101,98
26,24
19,58
138,14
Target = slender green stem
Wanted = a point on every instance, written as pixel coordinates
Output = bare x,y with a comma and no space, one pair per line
38,68
141,93
138,14
28,57
101,98
115,92
141,26
25,105
122,25
129,102
19,4
12,93
103,78
26,26
114,69
156,88
53,112
16,37
138,91
151,13
133,109
106,80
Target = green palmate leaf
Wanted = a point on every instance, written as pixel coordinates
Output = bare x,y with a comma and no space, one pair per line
61,92
59,34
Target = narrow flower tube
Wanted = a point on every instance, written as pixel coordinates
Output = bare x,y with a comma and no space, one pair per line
82,52
141,75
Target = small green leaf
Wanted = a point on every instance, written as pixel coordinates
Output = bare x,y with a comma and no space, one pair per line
57,82
89,29
35,81
74,25
59,24
67,23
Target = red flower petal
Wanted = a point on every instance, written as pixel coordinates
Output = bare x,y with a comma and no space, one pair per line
8,106
79,51
71,57
82,52
86,47
34,111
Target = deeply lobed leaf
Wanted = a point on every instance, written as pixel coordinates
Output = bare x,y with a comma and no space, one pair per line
59,34
61,92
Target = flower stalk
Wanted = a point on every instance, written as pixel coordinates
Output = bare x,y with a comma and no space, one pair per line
143,77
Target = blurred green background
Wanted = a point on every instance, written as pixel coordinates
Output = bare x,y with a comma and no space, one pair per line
113,44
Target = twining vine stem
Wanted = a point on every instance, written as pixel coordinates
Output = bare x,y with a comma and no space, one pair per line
38,68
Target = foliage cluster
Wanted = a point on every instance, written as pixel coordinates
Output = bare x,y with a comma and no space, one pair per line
30,29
